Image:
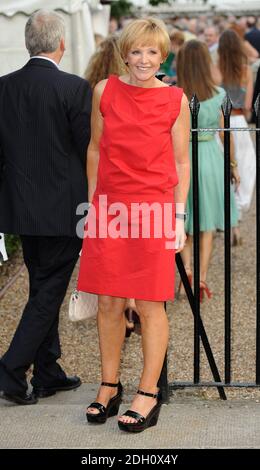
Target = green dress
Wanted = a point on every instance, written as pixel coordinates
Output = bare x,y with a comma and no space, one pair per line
211,172
166,67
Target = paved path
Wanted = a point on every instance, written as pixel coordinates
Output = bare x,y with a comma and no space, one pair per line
59,422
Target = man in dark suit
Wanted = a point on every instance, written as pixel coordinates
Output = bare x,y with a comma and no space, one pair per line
44,134
253,33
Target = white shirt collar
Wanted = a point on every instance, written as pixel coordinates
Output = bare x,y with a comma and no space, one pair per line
214,47
45,58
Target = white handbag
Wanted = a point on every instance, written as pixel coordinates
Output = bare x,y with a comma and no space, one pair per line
82,306
3,254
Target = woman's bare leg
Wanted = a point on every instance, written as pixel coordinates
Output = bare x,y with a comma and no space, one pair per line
155,332
111,330
186,256
206,245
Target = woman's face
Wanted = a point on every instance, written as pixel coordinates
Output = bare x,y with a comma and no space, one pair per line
144,62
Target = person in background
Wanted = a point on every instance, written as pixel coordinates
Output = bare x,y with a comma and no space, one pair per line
114,25
43,142
169,67
211,36
253,33
183,24
139,153
251,53
235,76
105,62
194,76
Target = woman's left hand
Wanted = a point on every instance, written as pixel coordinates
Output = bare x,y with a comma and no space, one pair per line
235,178
180,235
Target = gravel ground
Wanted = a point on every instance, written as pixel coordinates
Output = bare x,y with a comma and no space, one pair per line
9,268
80,341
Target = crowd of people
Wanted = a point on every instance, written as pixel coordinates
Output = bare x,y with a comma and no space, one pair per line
119,138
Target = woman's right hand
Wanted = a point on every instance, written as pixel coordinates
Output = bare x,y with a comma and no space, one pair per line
180,235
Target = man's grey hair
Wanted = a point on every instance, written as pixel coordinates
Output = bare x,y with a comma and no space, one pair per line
43,32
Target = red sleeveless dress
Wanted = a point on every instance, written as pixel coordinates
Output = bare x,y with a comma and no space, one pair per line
129,252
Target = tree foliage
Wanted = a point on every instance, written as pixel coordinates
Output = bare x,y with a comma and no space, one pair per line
154,3
12,243
121,8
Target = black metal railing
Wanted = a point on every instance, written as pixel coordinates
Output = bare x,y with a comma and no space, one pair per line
257,112
194,297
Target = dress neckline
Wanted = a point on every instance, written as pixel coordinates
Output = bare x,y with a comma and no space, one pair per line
141,87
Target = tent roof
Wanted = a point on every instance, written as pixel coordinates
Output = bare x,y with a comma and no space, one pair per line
234,5
212,7
11,7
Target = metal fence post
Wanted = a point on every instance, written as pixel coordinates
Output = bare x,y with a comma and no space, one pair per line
194,108
194,298
226,109
163,379
257,111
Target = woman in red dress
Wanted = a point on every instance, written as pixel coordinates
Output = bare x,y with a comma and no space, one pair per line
138,176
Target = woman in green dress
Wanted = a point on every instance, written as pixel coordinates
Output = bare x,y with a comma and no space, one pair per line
194,76
169,66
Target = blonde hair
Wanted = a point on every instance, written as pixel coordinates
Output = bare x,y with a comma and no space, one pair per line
105,61
177,37
145,32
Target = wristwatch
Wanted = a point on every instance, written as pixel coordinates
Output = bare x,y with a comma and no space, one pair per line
182,216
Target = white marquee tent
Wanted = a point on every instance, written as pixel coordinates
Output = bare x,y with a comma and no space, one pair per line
82,19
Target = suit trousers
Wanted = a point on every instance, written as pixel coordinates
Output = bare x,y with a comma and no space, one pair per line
50,262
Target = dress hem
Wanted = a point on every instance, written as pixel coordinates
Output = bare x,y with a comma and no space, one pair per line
125,296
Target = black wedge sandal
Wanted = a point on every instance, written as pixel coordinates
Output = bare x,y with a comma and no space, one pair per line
106,411
142,423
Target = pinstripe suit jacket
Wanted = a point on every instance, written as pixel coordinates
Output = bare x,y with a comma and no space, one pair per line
44,133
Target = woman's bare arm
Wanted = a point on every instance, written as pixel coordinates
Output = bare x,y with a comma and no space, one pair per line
249,90
181,140
96,133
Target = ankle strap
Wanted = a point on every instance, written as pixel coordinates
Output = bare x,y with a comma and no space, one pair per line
108,384
146,394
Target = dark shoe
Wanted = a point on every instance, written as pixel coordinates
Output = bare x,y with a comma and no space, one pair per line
141,422
69,383
237,240
132,317
20,398
106,411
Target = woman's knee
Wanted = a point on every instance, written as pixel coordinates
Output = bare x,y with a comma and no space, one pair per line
110,305
147,309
